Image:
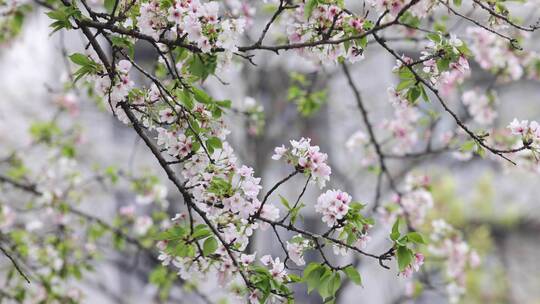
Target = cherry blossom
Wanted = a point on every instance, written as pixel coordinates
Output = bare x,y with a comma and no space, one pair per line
480,107
295,249
277,268
184,119
333,205
417,262
307,159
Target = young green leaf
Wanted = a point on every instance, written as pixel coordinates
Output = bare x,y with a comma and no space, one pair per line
416,237
309,7
404,257
353,274
210,245
284,202
395,230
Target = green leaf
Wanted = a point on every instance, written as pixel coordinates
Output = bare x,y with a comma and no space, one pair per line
214,142
294,278
363,42
480,151
174,233
334,284
312,274
404,84
408,19
210,245
80,59
395,230
284,202
88,66
201,96
309,7
224,103
424,94
468,146
313,280
295,212
443,64
353,274
404,257
413,94
200,232
183,250
185,98
415,237
434,37
323,286
123,43
202,66
220,187
158,275
109,5
62,16
465,50
310,268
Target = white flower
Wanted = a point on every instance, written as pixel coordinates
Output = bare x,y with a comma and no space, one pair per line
143,224
167,116
295,249
279,152
277,268
334,205
247,259
518,127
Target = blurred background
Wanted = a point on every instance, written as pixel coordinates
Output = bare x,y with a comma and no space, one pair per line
495,204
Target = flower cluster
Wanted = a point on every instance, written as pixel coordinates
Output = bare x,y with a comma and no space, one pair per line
254,112
152,193
360,145
445,63
404,123
529,131
480,107
420,9
415,265
193,39
306,158
123,85
117,91
151,21
295,249
306,24
333,205
415,202
277,268
447,243
199,22
493,53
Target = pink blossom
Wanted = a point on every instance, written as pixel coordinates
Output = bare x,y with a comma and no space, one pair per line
518,127
334,205
308,158
362,242
277,268
127,211
296,248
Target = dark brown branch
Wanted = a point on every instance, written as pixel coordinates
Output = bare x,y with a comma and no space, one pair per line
477,139
15,264
513,42
274,188
505,18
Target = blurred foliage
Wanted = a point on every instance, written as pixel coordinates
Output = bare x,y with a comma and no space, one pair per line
302,93
477,216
